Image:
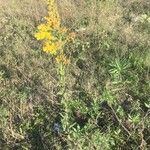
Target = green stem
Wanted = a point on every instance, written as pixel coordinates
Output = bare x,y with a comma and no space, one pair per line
61,72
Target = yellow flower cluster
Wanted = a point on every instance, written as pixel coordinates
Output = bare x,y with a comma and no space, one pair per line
62,59
53,35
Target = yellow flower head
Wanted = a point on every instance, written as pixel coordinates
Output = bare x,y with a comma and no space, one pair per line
44,27
50,48
63,30
43,35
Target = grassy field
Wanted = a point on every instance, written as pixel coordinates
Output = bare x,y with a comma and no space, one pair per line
99,101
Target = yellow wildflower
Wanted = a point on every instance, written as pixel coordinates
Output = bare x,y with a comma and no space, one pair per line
44,27
63,30
53,18
42,35
62,59
50,48
39,36
52,22
54,36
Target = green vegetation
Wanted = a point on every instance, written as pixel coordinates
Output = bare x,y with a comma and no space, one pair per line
100,101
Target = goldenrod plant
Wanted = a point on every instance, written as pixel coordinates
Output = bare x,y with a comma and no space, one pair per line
54,35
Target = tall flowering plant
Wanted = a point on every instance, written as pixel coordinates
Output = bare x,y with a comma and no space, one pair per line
54,35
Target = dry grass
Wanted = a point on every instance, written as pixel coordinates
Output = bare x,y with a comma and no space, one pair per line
33,9
107,16
25,84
